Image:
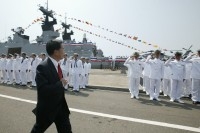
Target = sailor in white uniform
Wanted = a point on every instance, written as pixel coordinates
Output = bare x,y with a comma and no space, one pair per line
156,75
34,63
83,74
10,68
0,70
76,71
3,68
88,70
65,64
135,74
195,75
70,72
29,76
24,69
178,73
16,64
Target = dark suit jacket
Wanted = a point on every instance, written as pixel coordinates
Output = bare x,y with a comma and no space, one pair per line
50,92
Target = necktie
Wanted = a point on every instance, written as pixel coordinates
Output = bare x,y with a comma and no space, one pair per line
22,60
59,71
75,64
64,62
32,62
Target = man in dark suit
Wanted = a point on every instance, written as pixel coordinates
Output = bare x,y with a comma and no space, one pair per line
51,104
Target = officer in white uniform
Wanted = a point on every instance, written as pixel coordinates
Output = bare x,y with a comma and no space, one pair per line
16,64
128,75
146,79
34,63
24,69
76,71
88,70
135,74
10,68
195,75
178,73
167,81
65,62
3,68
187,84
156,75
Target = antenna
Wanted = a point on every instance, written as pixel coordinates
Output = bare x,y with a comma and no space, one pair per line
65,18
47,5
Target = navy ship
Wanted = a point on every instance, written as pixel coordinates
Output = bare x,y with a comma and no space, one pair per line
20,42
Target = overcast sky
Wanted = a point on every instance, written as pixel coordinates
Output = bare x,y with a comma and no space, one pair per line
170,24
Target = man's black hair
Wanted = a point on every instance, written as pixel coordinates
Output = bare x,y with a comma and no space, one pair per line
53,45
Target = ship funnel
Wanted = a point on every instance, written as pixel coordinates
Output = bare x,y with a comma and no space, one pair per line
84,38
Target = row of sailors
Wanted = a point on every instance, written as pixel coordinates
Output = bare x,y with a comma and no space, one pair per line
23,70
176,76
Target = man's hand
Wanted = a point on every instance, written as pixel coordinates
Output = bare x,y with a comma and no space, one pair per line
194,54
64,82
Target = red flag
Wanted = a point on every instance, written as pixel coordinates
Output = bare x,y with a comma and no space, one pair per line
135,38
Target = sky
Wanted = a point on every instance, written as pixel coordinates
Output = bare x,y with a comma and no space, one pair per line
170,24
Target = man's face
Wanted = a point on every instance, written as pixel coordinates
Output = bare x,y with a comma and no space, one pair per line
65,56
75,57
157,55
83,60
23,55
60,53
33,56
177,57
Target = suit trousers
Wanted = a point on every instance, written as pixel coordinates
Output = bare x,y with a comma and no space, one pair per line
10,75
62,124
82,81
76,81
33,74
154,88
17,76
23,75
134,86
5,77
146,84
87,79
176,88
196,90
187,84
66,77
167,86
